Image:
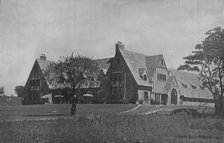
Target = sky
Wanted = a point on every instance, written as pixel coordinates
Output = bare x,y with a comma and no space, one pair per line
92,27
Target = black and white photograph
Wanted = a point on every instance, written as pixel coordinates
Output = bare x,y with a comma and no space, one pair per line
111,71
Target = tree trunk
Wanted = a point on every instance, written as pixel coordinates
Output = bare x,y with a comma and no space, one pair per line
221,96
221,110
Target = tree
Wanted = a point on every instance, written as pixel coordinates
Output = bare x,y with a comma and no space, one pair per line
2,90
73,72
18,90
208,60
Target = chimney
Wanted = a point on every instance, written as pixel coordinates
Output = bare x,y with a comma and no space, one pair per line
43,57
119,45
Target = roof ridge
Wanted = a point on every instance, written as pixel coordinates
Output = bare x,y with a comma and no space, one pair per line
44,60
133,52
142,54
155,55
182,71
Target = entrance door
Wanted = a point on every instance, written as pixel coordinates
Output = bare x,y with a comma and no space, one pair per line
164,99
146,97
174,96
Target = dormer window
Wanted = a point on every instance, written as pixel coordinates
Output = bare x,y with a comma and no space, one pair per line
201,87
184,85
145,77
162,62
143,73
193,86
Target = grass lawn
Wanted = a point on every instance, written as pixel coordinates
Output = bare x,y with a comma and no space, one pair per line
105,125
116,129
22,112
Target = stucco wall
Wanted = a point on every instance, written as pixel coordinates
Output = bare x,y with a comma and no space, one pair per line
141,96
158,85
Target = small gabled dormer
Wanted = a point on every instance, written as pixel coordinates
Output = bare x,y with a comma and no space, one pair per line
184,85
193,86
143,73
162,62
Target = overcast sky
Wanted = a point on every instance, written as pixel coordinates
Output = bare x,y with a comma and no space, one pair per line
92,27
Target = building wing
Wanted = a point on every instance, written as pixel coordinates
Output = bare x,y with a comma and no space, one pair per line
190,85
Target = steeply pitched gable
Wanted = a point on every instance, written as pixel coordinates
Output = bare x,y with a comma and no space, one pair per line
152,62
169,84
43,64
135,61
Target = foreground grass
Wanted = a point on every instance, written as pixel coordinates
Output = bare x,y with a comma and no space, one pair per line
22,112
116,129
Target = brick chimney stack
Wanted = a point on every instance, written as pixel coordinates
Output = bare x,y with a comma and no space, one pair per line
43,57
119,45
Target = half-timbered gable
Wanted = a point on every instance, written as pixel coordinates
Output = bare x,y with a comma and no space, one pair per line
146,78
158,75
36,86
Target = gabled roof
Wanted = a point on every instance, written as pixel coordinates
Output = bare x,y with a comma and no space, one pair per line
169,84
152,62
103,64
142,71
190,79
135,61
43,64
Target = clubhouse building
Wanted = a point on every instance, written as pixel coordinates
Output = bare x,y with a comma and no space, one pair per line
133,78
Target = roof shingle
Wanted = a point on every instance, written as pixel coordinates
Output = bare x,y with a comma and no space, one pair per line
194,84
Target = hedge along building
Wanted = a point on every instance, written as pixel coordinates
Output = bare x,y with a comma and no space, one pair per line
36,85
138,78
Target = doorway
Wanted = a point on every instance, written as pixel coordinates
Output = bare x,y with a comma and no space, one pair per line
174,96
146,97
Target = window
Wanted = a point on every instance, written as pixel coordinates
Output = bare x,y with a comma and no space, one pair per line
145,77
193,86
162,62
34,88
184,85
161,77
157,98
117,83
35,82
201,87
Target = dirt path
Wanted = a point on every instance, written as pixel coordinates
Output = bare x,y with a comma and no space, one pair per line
144,109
